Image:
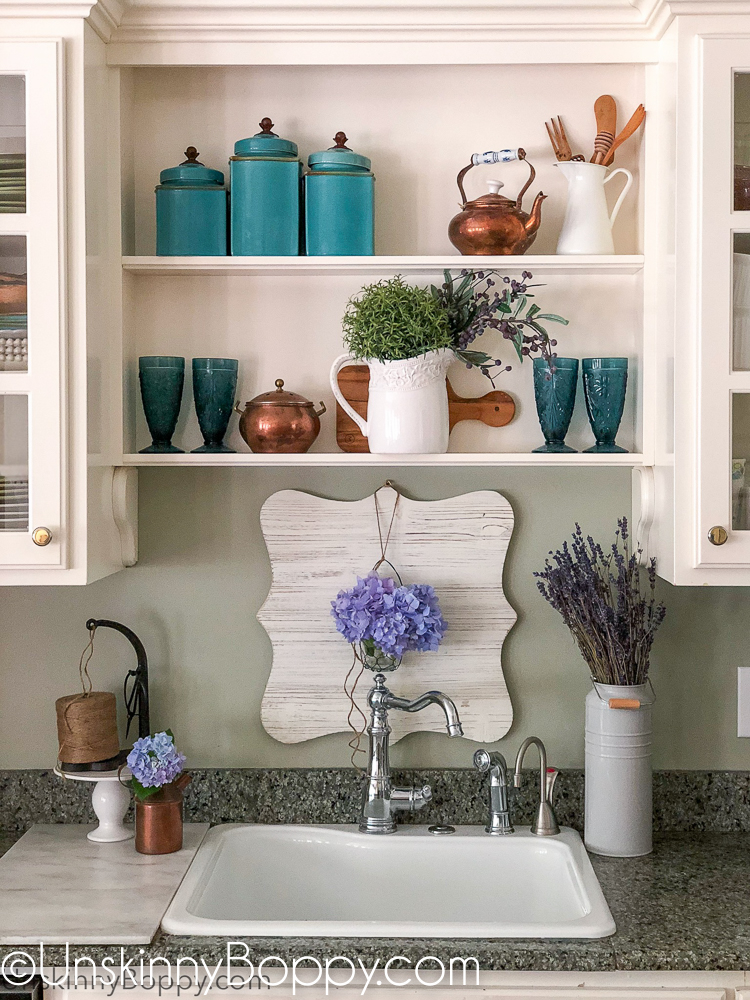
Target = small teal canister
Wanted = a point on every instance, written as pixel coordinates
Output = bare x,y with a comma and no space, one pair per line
191,210
339,203
265,177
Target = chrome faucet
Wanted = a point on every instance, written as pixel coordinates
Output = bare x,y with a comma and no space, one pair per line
382,800
498,822
545,821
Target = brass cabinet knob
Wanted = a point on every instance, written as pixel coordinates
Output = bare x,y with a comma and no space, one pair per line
41,536
717,535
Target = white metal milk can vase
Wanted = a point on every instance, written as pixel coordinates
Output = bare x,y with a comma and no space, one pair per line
587,227
618,770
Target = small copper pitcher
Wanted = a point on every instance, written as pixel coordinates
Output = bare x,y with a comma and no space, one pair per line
494,224
158,819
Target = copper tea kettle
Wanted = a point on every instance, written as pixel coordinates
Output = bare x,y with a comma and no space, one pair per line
494,224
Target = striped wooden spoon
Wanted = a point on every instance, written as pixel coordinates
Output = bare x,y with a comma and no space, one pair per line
605,111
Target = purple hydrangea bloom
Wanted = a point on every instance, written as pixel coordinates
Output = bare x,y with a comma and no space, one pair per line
393,619
154,761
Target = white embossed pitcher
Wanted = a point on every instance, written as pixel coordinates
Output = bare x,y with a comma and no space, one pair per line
407,408
587,228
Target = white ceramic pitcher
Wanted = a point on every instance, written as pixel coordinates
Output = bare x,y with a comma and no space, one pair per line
407,409
587,228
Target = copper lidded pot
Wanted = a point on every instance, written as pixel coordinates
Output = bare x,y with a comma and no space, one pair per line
493,224
280,421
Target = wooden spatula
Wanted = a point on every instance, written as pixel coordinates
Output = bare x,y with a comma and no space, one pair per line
605,110
636,120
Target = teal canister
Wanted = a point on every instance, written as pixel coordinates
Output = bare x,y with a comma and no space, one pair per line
191,210
265,175
339,203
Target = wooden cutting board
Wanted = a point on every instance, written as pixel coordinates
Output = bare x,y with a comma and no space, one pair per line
496,408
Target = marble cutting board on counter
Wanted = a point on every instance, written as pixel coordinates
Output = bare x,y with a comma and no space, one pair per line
318,546
58,887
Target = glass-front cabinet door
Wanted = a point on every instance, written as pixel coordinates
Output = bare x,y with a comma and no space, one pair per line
722,371
32,421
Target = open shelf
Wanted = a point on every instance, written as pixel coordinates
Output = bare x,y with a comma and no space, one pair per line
419,133
283,266
348,459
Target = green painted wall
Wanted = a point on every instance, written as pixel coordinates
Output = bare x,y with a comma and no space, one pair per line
203,573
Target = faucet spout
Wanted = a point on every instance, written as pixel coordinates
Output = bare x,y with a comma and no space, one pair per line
382,800
545,821
452,721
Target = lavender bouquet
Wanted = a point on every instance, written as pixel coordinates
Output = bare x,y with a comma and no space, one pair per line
383,620
611,611
154,762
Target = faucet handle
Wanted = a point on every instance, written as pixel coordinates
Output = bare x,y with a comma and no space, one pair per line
552,773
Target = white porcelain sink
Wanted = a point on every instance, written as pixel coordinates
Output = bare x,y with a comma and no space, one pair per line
332,881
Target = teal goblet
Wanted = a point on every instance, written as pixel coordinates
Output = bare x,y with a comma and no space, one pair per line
214,385
605,381
161,379
555,394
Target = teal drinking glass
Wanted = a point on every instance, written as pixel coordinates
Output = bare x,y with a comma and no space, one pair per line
161,381
555,394
605,381
214,386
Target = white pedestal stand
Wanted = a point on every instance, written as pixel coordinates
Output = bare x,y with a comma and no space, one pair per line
110,800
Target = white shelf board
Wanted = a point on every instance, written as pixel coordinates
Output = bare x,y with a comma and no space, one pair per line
342,459
537,264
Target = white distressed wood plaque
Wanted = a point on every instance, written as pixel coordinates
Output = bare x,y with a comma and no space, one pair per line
318,547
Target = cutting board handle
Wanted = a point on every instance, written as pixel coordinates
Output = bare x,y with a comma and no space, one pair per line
341,362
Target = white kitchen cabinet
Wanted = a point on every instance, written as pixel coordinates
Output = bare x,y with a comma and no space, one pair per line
60,494
137,82
32,512
701,527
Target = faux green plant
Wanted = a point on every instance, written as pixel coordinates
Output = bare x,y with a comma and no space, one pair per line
393,321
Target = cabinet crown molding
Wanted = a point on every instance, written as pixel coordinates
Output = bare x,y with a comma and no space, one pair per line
138,21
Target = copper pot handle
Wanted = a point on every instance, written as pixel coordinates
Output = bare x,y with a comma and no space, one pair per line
238,408
321,411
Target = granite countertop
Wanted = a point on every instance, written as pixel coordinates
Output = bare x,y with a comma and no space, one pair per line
684,907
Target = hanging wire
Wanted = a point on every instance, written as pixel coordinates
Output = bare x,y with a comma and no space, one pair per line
384,544
359,730
356,740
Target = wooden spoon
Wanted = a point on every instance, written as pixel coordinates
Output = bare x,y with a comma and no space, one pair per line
635,122
605,110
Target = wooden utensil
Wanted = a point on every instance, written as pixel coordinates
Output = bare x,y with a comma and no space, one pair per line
605,110
496,409
636,119
559,140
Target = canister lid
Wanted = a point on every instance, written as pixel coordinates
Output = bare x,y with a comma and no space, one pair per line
191,171
339,157
280,397
265,143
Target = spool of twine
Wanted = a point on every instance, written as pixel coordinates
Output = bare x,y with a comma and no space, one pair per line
87,727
